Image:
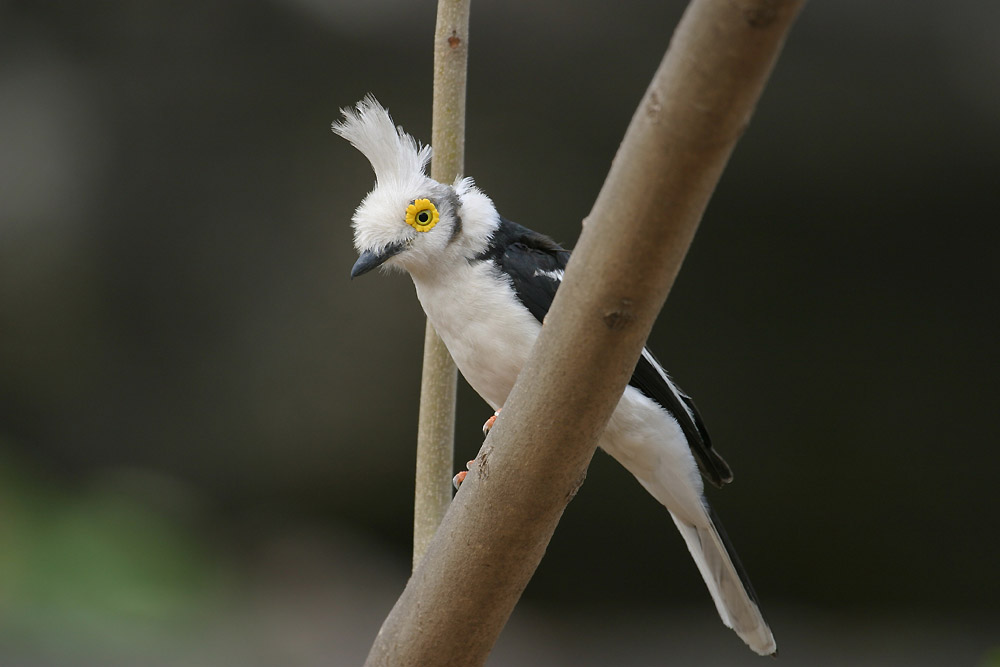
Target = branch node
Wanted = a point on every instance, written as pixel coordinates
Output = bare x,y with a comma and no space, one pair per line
620,318
653,108
483,461
762,16
576,486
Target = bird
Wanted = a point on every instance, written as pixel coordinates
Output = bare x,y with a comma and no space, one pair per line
486,284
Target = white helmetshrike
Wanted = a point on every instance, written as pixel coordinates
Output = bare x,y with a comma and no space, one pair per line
486,284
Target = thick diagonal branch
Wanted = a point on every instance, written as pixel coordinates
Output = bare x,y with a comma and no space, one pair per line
499,525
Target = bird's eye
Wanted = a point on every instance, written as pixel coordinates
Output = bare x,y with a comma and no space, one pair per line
422,215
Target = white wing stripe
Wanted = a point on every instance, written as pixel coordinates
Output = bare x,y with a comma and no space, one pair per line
659,369
556,275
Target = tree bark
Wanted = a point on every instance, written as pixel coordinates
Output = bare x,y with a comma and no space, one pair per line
633,243
436,423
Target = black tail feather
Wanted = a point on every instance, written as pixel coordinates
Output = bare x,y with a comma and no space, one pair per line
740,570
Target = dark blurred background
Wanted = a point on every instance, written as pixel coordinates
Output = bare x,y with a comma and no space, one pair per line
206,430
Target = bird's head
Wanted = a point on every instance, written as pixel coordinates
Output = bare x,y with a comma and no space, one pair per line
408,220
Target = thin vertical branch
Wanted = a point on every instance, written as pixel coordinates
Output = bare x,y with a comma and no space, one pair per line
436,428
535,458
451,56
435,441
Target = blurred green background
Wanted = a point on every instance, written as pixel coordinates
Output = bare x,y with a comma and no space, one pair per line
206,430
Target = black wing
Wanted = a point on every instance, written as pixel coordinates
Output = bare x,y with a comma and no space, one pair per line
535,264
650,378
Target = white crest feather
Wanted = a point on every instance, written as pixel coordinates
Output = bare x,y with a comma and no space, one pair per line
395,156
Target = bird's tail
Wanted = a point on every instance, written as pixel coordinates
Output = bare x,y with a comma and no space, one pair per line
727,582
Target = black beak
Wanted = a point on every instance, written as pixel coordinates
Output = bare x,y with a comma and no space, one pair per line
370,259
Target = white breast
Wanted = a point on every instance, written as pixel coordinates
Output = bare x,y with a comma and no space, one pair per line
489,334
486,329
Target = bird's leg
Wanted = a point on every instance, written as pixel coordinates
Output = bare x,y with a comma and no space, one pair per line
460,477
490,422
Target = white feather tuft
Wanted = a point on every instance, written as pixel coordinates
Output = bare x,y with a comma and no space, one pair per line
395,156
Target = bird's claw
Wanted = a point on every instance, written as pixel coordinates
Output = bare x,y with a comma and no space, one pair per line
490,422
460,477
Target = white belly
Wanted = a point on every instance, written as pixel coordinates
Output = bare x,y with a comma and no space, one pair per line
488,332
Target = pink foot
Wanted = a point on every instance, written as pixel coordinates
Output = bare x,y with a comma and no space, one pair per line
460,477
490,422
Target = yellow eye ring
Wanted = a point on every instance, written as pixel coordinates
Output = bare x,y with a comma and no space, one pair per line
422,215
